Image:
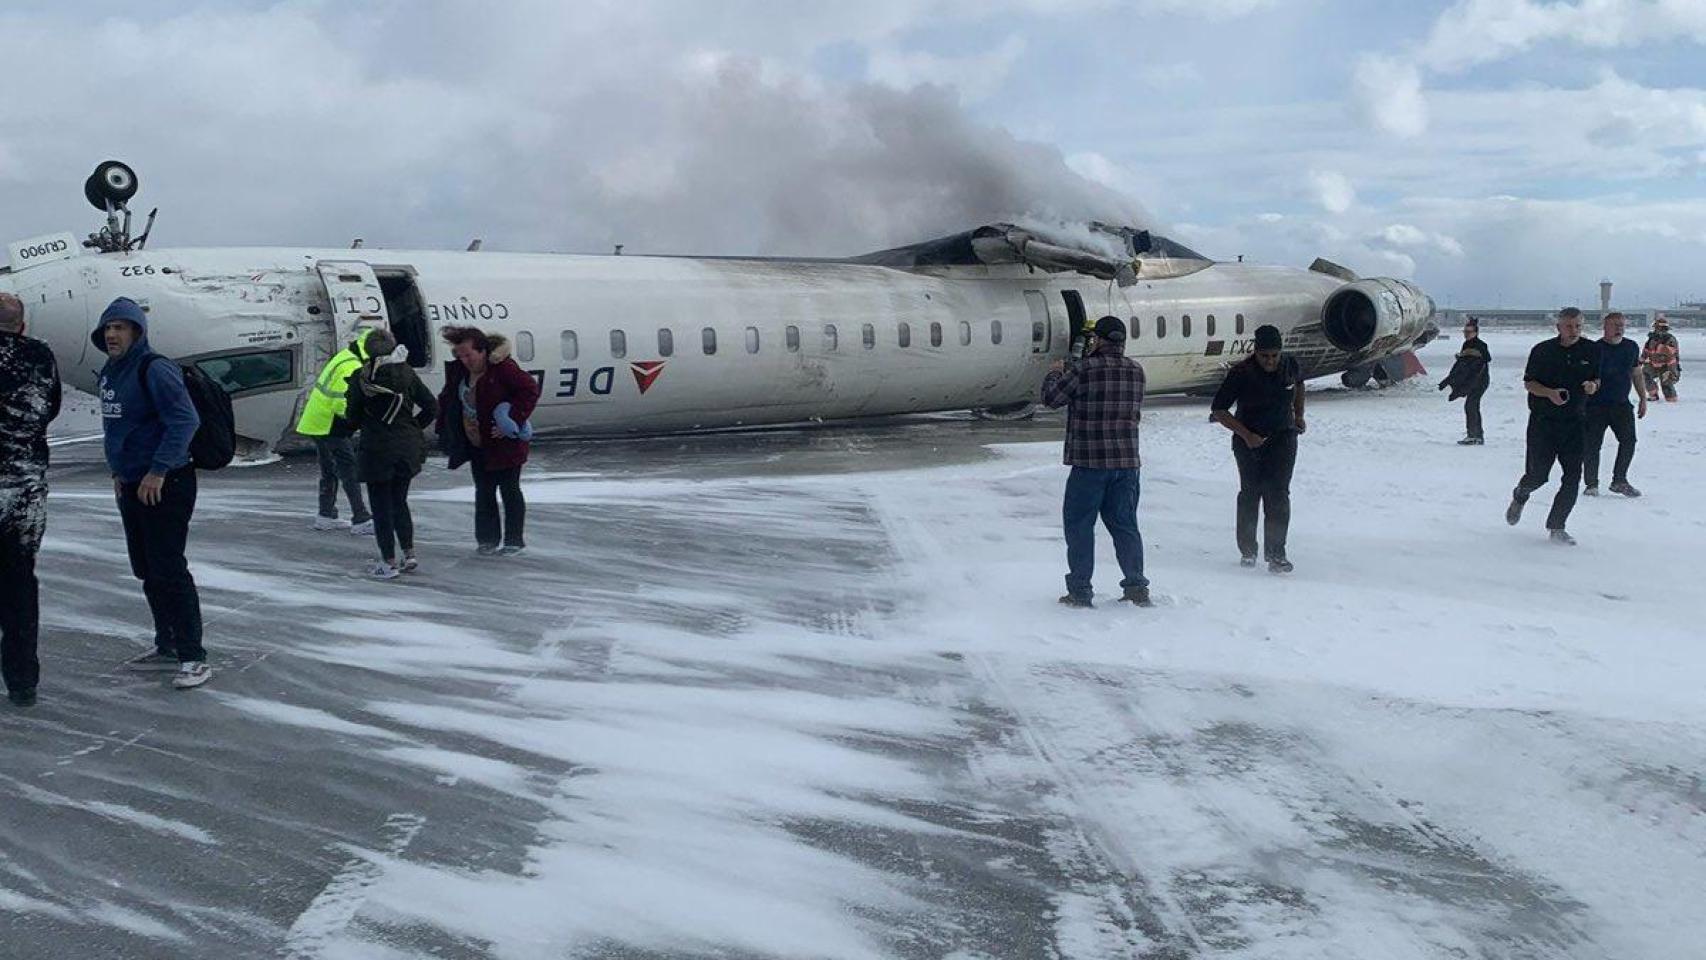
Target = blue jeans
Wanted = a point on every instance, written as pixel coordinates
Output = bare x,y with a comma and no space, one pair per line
1111,495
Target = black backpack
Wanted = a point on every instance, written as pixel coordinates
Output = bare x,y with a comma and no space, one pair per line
215,441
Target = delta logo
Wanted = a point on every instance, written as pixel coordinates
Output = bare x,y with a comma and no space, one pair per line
646,372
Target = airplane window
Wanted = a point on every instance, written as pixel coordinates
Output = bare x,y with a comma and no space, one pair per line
965,333
830,340
1160,327
1038,332
524,347
1239,320
792,336
751,339
571,345
250,371
618,344
666,342
870,335
710,337
994,331
906,335
1211,324
1136,328
935,334
1185,325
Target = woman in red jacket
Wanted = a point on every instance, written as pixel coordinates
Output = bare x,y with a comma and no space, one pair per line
481,379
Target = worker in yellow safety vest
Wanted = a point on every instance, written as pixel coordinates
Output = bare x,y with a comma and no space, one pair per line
323,422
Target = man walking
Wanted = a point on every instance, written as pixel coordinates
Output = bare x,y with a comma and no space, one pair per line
1103,394
1561,375
1469,379
149,420
29,400
1268,390
1609,407
323,422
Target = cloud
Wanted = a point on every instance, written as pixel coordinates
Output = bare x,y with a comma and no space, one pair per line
533,126
1332,190
1483,31
975,77
1388,93
1403,235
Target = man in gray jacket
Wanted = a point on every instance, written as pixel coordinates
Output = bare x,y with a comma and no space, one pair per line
29,400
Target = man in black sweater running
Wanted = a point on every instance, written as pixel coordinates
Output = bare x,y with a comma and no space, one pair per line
1561,374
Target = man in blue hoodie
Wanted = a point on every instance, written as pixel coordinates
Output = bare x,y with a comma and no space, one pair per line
149,419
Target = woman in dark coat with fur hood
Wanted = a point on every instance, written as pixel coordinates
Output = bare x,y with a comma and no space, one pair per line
483,414
391,407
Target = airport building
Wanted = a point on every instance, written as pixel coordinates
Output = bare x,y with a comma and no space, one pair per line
1688,314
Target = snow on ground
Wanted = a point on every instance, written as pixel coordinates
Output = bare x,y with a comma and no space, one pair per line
809,695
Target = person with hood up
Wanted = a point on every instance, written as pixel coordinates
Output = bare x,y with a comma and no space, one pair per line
148,420
481,380
325,421
1469,378
29,400
390,406
1267,389
1103,396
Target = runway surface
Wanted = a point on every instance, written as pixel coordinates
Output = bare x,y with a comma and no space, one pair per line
809,694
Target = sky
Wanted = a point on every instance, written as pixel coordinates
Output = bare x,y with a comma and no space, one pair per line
1498,152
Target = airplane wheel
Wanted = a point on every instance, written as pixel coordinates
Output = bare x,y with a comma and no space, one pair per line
112,181
1012,411
1356,379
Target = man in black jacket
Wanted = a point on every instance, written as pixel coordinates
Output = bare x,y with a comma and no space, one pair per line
1103,394
29,400
1561,374
1267,390
1469,378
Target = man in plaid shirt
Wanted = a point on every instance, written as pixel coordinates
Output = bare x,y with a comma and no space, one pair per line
1103,394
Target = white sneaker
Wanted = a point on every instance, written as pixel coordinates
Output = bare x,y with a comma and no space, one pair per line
383,571
192,673
409,564
329,523
362,529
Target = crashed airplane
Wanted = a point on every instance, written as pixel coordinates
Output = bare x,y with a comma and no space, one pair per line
661,344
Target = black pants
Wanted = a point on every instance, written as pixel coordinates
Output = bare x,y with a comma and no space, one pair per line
1620,417
1472,413
337,468
1552,439
393,525
1264,481
156,538
21,529
488,531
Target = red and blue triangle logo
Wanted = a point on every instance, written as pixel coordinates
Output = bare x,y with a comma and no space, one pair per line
646,372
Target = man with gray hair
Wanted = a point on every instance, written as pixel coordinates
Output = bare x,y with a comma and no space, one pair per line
29,400
1562,373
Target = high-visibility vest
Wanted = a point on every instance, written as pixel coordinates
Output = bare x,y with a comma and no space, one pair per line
1660,354
328,400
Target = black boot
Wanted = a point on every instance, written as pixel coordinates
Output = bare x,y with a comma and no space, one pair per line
25,697
1075,600
1138,596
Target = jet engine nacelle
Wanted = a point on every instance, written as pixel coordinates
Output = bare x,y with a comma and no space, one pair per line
1375,313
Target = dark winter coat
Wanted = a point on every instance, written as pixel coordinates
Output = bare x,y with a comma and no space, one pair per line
29,400
1103,394
1470,372
391,407
503,382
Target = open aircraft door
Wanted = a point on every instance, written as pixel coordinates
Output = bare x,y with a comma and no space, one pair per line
358,302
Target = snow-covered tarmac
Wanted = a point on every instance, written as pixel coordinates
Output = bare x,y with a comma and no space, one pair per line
808,694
